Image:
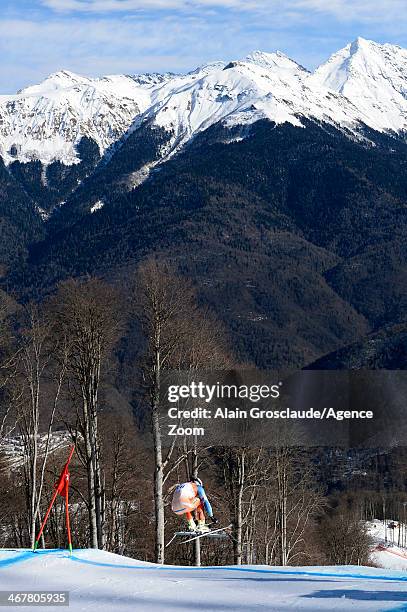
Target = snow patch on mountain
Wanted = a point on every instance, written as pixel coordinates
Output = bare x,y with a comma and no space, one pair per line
97,206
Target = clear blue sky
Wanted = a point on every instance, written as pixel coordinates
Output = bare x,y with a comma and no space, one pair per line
95,37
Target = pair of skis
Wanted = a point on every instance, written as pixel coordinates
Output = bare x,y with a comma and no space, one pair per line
198,534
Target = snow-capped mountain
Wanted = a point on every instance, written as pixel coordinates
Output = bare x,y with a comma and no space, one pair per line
45,121
364,83
261,86
374,78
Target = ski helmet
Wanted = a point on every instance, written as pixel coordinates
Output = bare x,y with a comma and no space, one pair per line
198,481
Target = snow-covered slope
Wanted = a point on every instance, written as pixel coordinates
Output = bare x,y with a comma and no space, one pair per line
374,78
389,550
45,121
12,447
98,580
363,83
263,85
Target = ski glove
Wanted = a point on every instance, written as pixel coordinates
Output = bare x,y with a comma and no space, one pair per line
214,520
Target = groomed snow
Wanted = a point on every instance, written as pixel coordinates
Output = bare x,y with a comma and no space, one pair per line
105,582
386,552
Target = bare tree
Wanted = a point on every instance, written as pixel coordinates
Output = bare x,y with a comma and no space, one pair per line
9,353
290,502
297,501
175,329
206,351
243,475
125,483
34,361
41,382
87,313
345,539
163,298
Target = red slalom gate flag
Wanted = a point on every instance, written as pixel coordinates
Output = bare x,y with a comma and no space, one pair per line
60,488
63,482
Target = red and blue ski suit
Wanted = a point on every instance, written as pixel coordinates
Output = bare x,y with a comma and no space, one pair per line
189,497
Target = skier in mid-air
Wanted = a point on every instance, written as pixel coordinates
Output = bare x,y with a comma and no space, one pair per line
191,497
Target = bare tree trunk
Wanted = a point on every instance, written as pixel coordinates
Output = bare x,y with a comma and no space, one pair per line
99,489
33,494
99,495
158,453
34,384
197,542
239,510
281,503
114,502
90,478
158,491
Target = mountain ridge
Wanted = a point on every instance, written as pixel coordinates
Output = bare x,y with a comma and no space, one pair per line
259,184
45,122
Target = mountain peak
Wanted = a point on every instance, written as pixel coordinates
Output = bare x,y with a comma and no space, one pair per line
272,60
65,78
55,81
360,43
64,75
373,76
208,67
